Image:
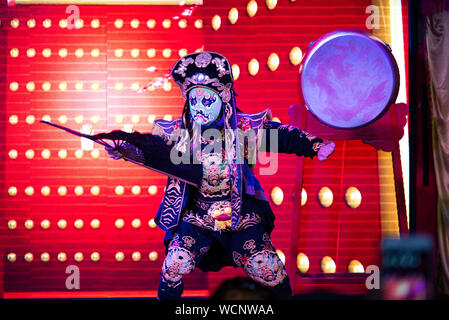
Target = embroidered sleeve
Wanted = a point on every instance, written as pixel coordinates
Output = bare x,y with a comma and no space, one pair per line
153,151
290,140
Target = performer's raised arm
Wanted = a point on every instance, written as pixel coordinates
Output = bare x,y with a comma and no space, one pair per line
292,140
152,151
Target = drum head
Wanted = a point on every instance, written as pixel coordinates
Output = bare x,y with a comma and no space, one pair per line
349,78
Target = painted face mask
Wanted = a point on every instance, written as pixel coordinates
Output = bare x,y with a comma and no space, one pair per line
205,105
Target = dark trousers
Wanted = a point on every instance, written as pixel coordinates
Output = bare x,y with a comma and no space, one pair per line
250,249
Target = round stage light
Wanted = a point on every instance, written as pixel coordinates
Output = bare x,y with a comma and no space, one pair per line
216,22
353,197
253,67
12,191
273,62
79,153
136,223
151,23
135,190
95,190
295,56
118,23
31,86
79,190
152,190
303,197
235,71
31,52
151,53
46,23
62,153
63,23
168,117
167,86
29,224
151,223
79,119
251,8
62,190
62,224
12,224
182,23
198,23
151,118
118,53
328,265
46,86
95,256
136,256
166,53
95,153
13,154
271,4
135,119
29,191
153,256
12,257
45,191
15,23
63,52
46,52
13,119
31,23
119,86
62,86
14,52
46,154
355,266
79,53
135,86
30,119
95,53
302,262
325,197
28,257
233,15
281,255
135,23
277,196
95,86
95,224
45,224
95,23
119,190
63,119
119,119
166,23
45,257
79,256
79,224
29,154
62,257
119,256
182,52
135,53
79,24
95,119
13,86
119,223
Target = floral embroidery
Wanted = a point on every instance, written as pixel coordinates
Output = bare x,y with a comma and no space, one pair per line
249,245
317,146
203,59
183,66
237,257
188,241
178,262
265,267
221,66
216,177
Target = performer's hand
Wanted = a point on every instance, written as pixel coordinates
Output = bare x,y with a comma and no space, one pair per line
114,153
326,150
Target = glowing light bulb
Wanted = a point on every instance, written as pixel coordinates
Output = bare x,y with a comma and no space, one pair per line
136,256
95,256
277,195
62,257
79,224
28,257
46,154
29,154
13,119
235,71
153,256
151,53
62,224
119,223
166,23
13,154
135,23
119,190
95,190
135,190
151,23
119,256
12,224
198,23
295,56
78,257
45,257
29,224
12,257
30,119
12,191
62,190
95,224
79,190
45,191
152,223
136,223
29,191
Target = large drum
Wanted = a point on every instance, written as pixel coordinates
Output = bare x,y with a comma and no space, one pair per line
349,78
